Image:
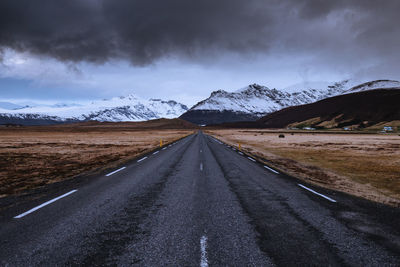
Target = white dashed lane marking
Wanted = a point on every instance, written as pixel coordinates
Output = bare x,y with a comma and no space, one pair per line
272,170
312,191
203,250
142,159
44,204
111,173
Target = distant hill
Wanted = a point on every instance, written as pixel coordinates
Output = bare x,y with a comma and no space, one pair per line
207,117
157,124
361,109
142,125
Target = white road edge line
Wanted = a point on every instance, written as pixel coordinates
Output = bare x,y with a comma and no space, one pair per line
272,170
312,191
164,148
240,153
203,247
142,159
155,152
111,173
251,159
44,204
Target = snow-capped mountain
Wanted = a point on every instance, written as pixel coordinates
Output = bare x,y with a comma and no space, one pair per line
255,101
129,108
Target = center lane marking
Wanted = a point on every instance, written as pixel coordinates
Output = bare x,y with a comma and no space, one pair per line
142,159
312,191
203,247
201,166
44,204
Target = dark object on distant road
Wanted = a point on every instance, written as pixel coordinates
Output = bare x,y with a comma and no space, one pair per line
281,136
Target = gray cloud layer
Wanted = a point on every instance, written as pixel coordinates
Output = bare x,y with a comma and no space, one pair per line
143,31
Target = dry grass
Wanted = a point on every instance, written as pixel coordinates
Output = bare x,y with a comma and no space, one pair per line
366,165
32,157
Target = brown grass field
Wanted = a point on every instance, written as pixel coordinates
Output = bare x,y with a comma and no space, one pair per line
31,157
365,165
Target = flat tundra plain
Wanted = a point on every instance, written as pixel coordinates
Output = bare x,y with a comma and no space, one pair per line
365,165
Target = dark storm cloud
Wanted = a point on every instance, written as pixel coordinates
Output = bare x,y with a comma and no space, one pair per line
142,31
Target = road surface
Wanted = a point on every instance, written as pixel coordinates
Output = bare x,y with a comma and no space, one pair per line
198,202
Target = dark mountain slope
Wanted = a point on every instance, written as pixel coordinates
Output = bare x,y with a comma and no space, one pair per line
360,109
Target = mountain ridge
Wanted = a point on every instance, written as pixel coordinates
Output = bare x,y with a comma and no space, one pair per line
245,104
123,108
254,101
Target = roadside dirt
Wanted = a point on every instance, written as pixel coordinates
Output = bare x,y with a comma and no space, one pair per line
365,165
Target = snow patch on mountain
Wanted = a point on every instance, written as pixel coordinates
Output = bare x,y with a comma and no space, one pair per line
324,90
372,85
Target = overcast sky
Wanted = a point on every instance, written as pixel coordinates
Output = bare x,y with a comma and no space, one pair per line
69,50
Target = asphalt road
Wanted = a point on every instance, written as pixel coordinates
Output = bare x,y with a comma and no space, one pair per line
198,202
